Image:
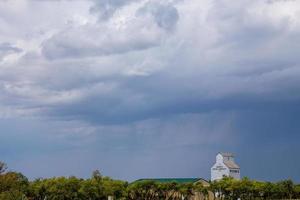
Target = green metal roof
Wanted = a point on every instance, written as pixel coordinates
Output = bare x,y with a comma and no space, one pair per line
171,180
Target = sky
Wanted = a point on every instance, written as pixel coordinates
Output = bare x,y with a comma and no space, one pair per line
150,88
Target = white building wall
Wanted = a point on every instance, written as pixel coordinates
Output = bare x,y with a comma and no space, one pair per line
219,169
110,198
235,175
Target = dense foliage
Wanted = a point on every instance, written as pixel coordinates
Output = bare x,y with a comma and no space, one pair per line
229,188
15,186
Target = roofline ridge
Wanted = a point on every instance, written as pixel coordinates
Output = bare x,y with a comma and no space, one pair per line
228,153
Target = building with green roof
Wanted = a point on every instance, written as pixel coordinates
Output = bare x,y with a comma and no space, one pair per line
196,196
175,180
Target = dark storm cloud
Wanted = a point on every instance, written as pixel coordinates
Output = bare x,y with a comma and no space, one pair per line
244,63
269,136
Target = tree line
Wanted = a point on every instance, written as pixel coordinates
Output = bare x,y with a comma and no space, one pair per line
15,186
246,189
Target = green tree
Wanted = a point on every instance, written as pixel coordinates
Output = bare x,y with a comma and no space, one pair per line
186,190
91,189
114,188
37,190
297,191
169,191
286,188
13,186
143,190
96,175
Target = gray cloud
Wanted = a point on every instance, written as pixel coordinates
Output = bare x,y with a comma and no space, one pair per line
147,74
7,48
89,41
225,54
165,15
106,8
137,31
